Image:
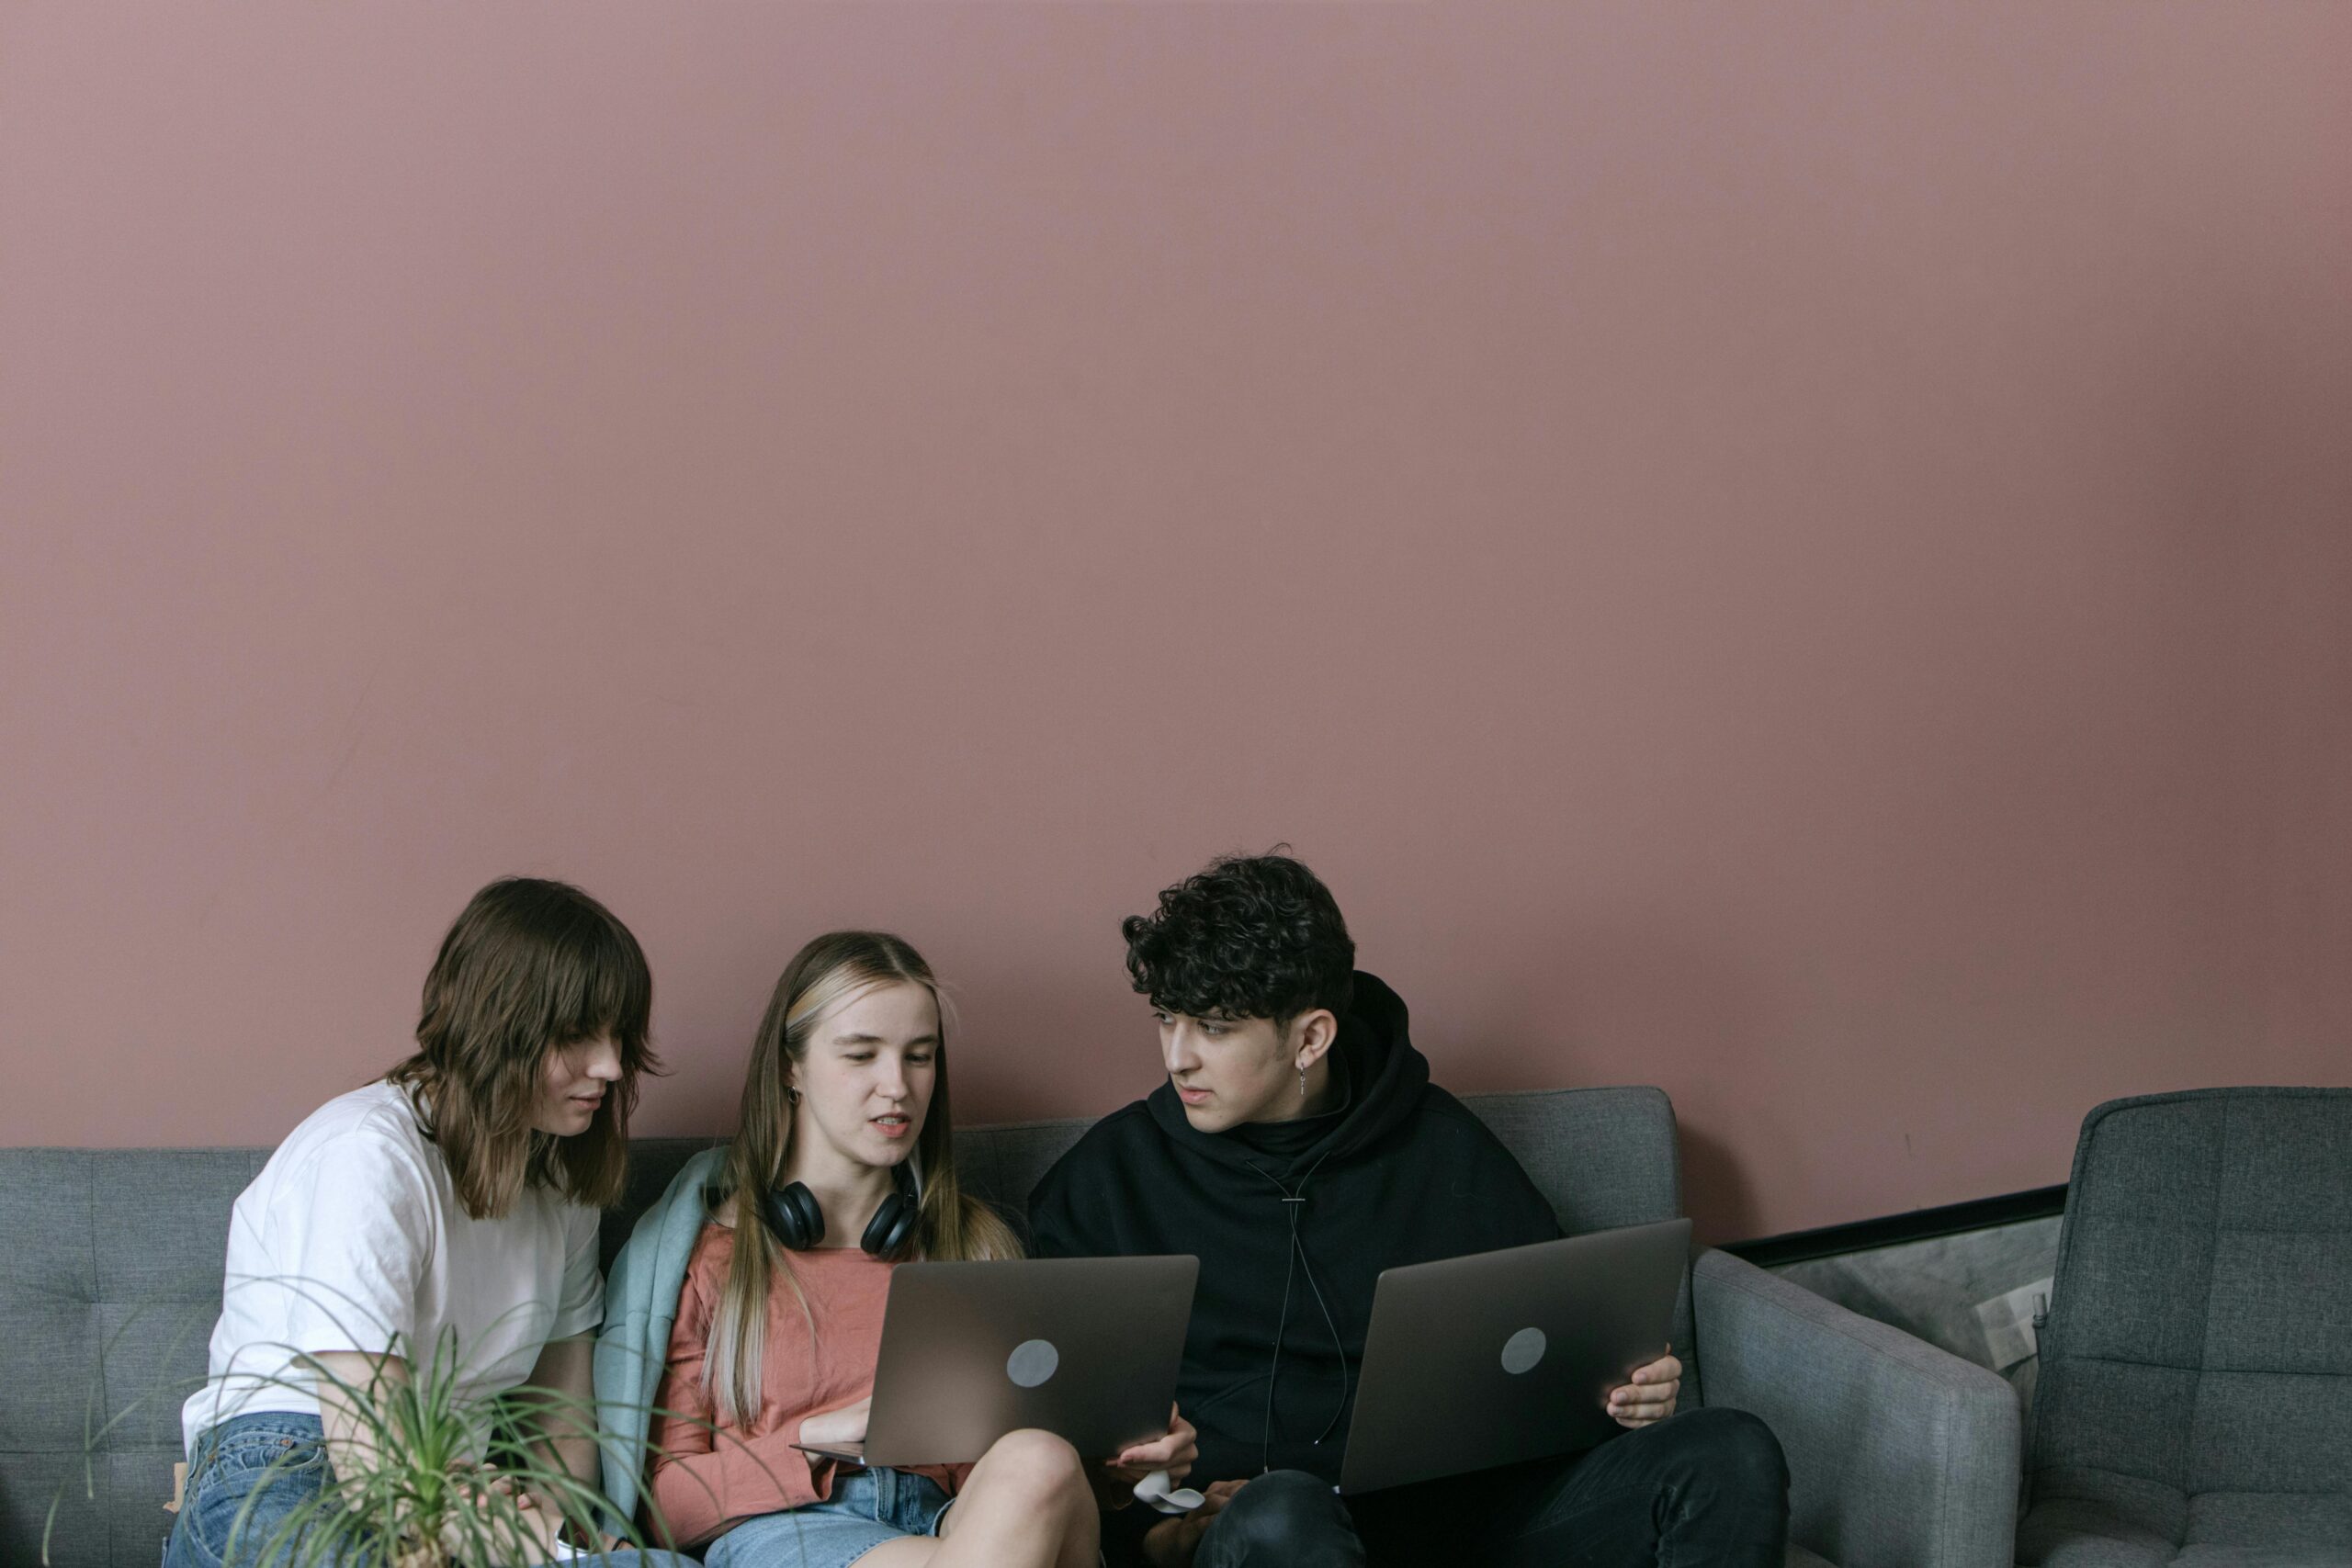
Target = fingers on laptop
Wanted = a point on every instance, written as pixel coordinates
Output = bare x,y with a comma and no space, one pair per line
1648,1396
1173,1451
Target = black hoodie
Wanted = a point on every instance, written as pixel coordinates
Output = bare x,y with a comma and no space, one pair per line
1403,1174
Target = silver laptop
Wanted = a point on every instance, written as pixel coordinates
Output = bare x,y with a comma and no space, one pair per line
1085,1348
1477,1361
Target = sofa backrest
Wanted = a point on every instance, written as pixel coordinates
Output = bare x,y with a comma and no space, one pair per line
2199,1344
110,1267
111,1260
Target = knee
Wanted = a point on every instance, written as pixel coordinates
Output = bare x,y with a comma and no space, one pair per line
1287,1515
1731,1450
1037,1466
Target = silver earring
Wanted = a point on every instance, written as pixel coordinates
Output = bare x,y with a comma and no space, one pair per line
1302,1083
793,1095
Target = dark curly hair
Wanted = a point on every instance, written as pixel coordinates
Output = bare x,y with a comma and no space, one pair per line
1253,936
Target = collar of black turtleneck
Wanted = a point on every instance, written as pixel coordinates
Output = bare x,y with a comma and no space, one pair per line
1283,1141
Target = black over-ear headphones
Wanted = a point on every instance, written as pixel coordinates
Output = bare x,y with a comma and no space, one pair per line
793,1215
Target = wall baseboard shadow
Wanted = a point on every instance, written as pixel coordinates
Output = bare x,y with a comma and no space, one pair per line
1894,1230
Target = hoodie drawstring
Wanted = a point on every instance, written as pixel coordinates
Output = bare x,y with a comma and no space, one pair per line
1295,1201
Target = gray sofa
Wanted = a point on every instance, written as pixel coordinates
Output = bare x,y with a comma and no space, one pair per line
111,1263
2195,1405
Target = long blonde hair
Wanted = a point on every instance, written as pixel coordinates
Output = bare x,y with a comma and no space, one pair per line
953,1227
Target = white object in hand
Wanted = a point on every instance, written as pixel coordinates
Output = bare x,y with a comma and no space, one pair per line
1156,1490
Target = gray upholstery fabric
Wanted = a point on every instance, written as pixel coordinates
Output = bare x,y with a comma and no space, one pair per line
110,1282
2196,1395
1899,1453
110,1279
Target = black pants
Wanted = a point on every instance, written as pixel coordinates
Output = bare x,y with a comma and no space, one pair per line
1705,1489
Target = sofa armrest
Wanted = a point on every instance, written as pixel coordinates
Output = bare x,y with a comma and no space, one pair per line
1900,1455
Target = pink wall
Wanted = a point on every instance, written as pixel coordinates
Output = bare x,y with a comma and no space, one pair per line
1799,553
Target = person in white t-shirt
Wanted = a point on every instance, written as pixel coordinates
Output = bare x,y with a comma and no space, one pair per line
439,1223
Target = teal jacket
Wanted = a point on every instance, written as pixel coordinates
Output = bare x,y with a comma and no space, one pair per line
641,1306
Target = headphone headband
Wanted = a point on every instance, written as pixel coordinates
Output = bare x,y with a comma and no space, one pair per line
798,1220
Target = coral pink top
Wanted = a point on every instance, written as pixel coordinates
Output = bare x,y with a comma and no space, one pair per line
704,1485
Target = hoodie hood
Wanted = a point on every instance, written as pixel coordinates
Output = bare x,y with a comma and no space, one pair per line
1386,1074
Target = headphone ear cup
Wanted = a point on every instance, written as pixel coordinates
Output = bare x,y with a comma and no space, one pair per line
795,1218
893,1225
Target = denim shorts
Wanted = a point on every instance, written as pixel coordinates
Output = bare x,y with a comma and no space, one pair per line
265,1467
246,1477
868,1507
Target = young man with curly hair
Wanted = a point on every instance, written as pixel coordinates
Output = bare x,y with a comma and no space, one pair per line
1298,1148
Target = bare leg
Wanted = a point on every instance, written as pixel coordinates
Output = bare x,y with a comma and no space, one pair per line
1026,1504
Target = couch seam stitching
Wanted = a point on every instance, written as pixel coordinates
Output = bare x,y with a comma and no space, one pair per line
2205,1318
98,1393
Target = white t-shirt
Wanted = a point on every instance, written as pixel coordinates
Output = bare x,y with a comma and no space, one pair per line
353,1233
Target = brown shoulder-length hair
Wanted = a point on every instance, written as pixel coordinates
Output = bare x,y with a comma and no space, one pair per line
530,967
953,1226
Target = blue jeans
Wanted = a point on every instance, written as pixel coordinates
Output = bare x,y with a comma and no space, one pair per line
868,1507
1705,1489
250,1473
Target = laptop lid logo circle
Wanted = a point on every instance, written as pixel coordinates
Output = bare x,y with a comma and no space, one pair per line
1522,1350
1032,1362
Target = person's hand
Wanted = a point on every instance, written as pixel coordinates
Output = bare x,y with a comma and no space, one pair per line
547,1511
1648,1397
1171,1542
488,1510
524,1523
1173,1451
834,1428
541,1526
